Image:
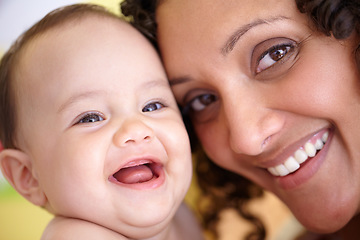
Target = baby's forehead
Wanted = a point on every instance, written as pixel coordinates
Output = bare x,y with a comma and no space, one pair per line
68,47
85,23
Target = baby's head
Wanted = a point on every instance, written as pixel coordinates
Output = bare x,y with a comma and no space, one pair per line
89,125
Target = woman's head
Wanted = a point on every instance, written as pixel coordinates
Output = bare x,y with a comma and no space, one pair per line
262,83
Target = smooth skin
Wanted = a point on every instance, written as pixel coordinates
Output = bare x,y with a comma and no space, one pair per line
93,98
259,83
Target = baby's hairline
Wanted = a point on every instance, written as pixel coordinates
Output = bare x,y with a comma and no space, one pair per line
55,20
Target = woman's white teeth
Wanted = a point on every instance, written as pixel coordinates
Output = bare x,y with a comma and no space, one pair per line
291,164
324,137
300,156
310,149
319,144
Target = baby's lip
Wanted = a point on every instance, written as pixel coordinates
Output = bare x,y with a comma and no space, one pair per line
138,171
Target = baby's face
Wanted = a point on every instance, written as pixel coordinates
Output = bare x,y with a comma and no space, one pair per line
98,119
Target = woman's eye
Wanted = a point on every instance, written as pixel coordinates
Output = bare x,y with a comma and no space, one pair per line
201,102
91,118
153,107
202,108
272,56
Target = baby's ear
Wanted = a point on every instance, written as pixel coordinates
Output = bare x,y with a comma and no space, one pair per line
16,167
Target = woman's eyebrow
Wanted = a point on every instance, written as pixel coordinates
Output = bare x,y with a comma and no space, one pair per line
179,80
235,37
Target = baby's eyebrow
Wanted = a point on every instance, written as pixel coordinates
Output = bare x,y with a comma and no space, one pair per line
158,82
79,97
235,37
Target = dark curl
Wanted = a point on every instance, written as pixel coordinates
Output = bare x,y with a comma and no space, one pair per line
142,14
222,189
337,17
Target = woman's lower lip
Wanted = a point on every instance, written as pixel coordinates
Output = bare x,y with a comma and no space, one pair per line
307,170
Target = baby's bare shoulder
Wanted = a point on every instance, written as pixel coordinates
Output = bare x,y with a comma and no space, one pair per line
61,228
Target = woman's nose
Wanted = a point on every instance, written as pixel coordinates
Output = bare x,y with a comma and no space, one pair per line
251,124
133,131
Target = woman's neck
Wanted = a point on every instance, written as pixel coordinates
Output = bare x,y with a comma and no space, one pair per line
352,230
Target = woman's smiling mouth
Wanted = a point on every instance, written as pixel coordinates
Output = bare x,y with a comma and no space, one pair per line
304,153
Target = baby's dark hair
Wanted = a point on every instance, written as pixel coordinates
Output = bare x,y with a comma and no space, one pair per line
220,188
10,60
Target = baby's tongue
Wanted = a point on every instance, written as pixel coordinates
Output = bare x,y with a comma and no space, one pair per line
136,174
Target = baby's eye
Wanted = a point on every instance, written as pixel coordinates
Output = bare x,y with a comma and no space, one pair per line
91,118
153,107
272,56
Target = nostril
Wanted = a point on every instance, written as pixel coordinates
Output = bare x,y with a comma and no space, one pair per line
265,142
129,140
134,140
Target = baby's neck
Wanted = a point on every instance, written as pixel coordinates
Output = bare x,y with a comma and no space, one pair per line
185,225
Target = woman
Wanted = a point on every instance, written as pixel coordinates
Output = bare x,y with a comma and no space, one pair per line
272,96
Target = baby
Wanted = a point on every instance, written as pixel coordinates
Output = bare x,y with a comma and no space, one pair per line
91,131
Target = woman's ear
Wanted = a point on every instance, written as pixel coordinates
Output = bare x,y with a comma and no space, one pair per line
16,167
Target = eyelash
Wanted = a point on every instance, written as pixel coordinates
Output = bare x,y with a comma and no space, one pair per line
203,110
93,117
284,51
203,106
90,116
158,106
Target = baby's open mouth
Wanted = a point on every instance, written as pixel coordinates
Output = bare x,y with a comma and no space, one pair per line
138,173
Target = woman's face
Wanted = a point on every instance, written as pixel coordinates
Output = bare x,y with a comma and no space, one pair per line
270,99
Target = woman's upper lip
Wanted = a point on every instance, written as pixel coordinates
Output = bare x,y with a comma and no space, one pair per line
280,157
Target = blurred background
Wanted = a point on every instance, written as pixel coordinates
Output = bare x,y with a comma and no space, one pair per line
20,220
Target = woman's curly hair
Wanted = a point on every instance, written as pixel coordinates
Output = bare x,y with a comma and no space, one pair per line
337,17
142,14
222,189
